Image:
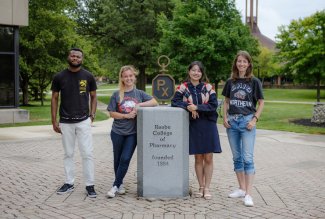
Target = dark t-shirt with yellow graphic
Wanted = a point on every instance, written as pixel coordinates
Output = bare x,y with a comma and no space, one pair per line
74,88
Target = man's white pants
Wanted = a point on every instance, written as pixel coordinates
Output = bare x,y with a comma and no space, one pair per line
82,132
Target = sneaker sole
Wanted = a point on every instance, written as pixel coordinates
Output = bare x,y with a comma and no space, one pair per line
61,193
111,196
236,196
92,196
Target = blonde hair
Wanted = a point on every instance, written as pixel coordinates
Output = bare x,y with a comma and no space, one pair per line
249,71
121,85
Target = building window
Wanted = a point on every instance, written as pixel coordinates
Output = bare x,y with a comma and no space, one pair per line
7,80
8,67
7,39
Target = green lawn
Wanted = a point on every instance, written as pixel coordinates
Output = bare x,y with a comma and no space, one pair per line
298,95
276,116
41,115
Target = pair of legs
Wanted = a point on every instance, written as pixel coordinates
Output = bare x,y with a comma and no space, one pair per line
204,170
245,182
242,142
123,149
80,131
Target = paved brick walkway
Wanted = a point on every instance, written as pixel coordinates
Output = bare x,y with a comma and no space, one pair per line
290,180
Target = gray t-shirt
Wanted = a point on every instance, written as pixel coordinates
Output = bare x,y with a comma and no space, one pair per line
243,94
131,98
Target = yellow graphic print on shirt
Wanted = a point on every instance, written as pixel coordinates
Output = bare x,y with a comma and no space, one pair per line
82,86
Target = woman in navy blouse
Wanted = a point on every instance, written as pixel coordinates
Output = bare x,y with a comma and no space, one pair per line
198,97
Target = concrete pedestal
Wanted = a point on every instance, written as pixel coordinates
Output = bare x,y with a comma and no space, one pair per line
163,154
13,116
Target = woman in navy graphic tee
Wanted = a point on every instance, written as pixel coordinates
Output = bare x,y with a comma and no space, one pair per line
242,92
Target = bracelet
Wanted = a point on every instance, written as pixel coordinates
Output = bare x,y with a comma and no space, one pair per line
255,118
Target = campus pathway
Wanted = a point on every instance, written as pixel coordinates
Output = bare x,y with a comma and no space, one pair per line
290,180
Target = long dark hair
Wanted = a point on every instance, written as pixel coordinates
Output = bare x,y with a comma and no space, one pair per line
204,77
249,72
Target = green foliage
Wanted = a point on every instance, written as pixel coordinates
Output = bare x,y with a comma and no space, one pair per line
302,48
210,31
266,66
128,29
44,45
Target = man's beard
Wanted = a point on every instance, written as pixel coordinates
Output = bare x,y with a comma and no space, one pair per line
74,65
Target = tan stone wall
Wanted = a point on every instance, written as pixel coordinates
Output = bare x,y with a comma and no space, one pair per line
14,12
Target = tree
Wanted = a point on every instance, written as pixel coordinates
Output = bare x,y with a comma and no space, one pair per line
210,31
301,47
266,64
44,45
128,29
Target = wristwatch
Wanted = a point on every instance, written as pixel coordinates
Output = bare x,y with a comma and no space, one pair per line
93,116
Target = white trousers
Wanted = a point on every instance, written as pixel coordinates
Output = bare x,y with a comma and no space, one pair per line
81,132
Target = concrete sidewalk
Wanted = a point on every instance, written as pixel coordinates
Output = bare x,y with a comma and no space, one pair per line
290,176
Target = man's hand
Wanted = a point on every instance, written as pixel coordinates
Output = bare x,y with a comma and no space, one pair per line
56,127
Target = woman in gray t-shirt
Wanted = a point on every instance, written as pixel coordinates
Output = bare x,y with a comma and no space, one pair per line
123,108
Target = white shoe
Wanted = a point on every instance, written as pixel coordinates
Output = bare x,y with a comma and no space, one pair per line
238,193
112,192
121,190
248,201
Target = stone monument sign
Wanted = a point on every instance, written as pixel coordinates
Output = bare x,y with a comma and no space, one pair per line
163,157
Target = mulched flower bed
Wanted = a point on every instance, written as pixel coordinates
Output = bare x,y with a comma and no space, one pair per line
307,122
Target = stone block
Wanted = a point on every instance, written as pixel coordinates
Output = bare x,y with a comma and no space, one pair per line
163,153
318,114
13,116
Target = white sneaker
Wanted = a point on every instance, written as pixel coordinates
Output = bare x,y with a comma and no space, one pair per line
121,190
248,201
238,193
112,193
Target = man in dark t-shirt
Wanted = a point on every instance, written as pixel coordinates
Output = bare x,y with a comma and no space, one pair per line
75,85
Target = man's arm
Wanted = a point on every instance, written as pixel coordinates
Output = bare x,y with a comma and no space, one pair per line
93,104
54,110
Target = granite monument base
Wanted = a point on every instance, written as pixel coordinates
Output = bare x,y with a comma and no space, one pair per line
163,154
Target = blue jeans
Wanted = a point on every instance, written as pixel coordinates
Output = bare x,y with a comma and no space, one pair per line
242,142
123,149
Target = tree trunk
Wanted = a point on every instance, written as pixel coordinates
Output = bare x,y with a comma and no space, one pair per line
279,80
42,97
318,87
24,87
216,87
141,79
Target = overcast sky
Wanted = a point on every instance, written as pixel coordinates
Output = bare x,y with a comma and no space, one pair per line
274,13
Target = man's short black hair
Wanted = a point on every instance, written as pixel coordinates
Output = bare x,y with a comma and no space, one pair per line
76,49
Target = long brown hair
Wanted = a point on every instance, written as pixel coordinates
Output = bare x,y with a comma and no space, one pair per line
121,85
249,71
